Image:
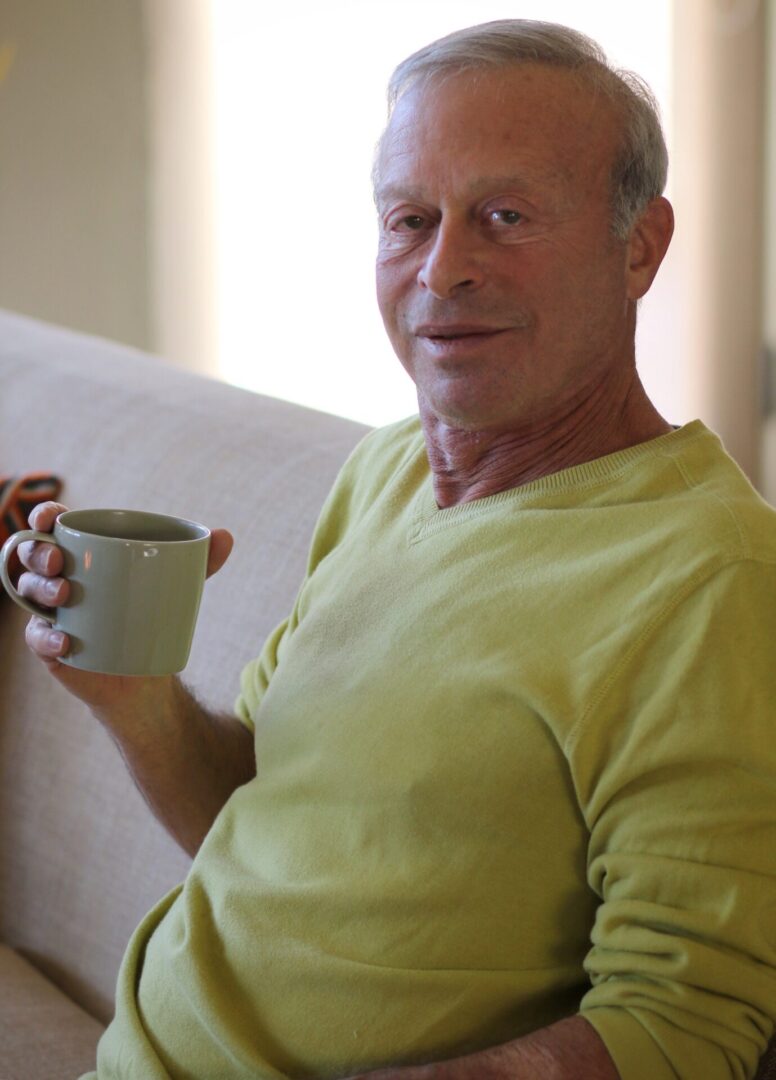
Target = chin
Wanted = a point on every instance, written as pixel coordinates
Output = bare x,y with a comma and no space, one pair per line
469,415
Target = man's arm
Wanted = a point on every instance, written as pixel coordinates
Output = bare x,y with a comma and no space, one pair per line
568,1050
185,761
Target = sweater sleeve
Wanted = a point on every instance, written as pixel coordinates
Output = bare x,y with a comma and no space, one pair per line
675,767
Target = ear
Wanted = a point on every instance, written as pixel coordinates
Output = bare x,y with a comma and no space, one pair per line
647,244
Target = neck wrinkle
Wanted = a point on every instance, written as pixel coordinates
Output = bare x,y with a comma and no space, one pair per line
473,464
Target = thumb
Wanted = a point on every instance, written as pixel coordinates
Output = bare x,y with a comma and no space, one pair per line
221,544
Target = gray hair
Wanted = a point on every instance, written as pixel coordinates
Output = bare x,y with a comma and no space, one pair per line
641,163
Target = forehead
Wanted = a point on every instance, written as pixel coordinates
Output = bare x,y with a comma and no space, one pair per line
532,122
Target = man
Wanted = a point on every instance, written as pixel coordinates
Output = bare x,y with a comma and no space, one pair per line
525,695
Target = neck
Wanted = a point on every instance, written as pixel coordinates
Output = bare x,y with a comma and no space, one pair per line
472,463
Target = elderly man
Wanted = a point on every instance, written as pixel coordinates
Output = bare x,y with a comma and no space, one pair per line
525,698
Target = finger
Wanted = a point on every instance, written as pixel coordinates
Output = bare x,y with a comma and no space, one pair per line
44,515
221,544
48,591
44,641
41,558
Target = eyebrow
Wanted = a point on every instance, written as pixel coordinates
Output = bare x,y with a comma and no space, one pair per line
525,182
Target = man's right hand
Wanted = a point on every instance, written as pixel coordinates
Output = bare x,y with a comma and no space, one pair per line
42,582
185,759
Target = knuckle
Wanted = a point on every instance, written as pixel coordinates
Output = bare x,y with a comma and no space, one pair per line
42,640
43,558
34,632
26,553
25,584
43,590
42,516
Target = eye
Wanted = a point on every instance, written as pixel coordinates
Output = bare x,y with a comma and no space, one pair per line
505,217
411,223
405,228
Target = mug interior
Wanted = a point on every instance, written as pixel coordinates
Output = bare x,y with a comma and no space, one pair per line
133,525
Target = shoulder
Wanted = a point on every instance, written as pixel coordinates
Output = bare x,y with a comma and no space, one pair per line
719,503
385,448
379,457
369,472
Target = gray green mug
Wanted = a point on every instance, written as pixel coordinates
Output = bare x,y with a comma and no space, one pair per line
136,581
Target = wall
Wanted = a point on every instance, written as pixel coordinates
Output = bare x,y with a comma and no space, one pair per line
74,164
719,65
182,252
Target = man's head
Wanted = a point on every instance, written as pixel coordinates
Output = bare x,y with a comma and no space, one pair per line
640,163
519,223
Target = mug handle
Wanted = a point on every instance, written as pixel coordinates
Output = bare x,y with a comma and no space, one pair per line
8,549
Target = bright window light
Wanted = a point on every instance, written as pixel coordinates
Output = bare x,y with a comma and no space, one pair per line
299,102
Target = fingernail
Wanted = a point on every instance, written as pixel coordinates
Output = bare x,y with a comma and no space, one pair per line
50,590
56,640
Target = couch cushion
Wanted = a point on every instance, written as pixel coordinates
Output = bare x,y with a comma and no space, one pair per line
43,1035
81,858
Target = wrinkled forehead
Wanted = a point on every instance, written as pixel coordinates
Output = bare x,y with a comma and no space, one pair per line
547,118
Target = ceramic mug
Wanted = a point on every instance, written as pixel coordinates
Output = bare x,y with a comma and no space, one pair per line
136,581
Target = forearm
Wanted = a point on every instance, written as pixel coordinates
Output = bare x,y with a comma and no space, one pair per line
185,761
568,1050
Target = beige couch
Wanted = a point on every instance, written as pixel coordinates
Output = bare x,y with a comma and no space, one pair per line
81,858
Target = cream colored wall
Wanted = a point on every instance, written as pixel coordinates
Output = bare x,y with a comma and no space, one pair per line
182,250
719,66
73,165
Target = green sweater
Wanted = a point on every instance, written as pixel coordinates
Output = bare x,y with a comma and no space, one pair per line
486,735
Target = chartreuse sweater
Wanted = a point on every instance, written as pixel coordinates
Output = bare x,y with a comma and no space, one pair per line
516,759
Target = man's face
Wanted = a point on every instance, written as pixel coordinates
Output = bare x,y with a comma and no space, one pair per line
502,288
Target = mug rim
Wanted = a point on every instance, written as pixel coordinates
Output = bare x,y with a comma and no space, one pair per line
203,532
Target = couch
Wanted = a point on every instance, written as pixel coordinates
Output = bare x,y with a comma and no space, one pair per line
81,858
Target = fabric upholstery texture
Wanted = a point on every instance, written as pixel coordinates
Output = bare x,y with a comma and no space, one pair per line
81,858
43,1034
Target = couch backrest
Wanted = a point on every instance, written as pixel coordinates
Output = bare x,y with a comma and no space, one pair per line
81,858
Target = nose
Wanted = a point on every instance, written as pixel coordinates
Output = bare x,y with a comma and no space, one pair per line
451,264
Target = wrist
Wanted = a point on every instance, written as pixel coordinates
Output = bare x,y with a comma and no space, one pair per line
133,702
